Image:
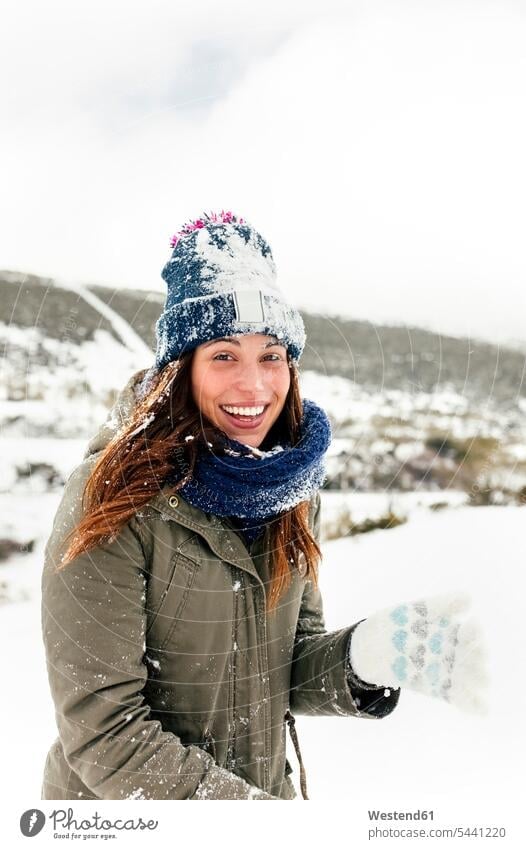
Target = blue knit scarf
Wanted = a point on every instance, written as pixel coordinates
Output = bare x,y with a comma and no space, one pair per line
252,485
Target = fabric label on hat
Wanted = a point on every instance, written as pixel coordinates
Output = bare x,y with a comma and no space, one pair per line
249,305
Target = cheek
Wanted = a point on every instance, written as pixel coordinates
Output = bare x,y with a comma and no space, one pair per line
280,382
206,384
200,384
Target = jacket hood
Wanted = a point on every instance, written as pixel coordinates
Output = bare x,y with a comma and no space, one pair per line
118,415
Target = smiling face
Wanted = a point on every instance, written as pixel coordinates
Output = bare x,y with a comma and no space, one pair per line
248,374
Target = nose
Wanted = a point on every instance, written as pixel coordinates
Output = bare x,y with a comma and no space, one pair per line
249,377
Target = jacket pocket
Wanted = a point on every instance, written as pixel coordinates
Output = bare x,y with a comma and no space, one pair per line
154,611
173,598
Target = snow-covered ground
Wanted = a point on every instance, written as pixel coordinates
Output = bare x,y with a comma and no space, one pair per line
426,748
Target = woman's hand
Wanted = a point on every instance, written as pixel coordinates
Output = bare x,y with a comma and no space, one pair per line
425,645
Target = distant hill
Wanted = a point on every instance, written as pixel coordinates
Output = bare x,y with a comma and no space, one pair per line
373,356
410,409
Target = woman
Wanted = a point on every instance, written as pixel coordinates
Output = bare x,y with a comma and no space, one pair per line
181,615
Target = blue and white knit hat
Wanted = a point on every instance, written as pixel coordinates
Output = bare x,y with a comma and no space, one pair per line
221,281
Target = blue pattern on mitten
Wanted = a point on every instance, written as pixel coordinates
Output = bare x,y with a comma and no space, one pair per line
399,667
399,614
435,643
399,640
433,672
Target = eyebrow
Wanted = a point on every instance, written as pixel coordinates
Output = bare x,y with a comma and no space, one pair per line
236,342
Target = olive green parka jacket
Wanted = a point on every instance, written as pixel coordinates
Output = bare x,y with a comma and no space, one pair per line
170,679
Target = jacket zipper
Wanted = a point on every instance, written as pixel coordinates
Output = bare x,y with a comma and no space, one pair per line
266,681
230,758
266,698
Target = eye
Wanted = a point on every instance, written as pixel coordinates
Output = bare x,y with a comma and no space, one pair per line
278,357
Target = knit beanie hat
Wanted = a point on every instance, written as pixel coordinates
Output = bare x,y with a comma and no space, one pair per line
221,280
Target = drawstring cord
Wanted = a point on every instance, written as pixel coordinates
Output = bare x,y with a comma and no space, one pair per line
293,733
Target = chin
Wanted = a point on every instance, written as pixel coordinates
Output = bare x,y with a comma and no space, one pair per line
253,440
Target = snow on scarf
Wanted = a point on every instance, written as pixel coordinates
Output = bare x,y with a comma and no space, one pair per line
249,484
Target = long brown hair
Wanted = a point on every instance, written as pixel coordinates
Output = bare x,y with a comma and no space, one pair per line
153,450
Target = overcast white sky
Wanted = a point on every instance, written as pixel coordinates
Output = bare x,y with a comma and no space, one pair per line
378,146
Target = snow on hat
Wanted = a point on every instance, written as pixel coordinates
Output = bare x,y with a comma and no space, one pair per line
221,280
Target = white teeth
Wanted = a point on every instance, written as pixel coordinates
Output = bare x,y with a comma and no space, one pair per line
244,411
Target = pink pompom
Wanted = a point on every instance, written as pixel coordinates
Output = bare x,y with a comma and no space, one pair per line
222,217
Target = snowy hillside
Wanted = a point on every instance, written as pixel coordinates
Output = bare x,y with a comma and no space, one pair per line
68,349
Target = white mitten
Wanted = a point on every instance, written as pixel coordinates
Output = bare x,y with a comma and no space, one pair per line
426,646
